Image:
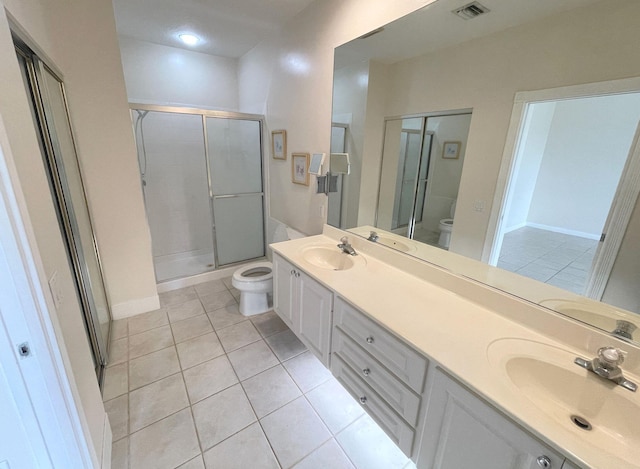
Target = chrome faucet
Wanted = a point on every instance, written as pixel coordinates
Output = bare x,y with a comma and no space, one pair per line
373,236
624,329
346,247
607,366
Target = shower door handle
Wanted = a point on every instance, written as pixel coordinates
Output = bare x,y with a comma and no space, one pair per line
232,196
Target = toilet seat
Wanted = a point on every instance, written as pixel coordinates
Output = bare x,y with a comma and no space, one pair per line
447,221
253,273
255,283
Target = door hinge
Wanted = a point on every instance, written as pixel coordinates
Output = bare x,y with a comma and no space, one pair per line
602,236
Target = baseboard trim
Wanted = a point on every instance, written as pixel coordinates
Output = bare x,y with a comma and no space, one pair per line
170,285
557,229
107,438
135,307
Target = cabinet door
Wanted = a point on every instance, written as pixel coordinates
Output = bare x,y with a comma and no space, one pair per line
313,324
283,289
461,430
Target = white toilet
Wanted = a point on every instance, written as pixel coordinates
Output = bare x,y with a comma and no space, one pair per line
255,280
446,226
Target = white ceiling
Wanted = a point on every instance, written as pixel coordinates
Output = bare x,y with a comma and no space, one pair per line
228,28
435,27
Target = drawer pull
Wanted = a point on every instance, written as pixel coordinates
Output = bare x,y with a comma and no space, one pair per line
544,462
363,400
369,340
366,372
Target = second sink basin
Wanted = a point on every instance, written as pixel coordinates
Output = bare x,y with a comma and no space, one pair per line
598,411
330,258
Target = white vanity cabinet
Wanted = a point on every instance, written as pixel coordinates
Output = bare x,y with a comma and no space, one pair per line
381,371
431,417
461,430
304,305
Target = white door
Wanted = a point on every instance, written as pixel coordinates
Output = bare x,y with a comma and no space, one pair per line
615,227
15,447
283,281
458,419
314,322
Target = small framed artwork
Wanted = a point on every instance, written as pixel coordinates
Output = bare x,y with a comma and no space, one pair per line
279,144
451,150
300,168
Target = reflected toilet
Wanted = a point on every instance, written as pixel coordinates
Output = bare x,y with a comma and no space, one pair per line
446,226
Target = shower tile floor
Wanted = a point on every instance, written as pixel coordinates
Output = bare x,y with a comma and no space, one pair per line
557,259
197,385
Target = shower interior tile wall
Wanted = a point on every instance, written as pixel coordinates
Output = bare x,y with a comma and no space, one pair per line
195,384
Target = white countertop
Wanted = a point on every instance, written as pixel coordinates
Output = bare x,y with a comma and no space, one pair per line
455,332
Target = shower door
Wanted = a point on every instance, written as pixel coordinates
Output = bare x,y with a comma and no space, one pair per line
409,163
235,167
173,169
201,173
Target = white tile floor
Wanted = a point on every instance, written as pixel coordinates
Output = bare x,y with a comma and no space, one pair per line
554,258
196,384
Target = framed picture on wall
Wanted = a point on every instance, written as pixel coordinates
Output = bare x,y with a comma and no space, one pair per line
451,150
279,144
300,168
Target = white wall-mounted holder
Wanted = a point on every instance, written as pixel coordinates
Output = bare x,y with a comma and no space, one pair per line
315,166
339,163
327,183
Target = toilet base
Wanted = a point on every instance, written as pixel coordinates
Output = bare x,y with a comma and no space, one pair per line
444,240
252,303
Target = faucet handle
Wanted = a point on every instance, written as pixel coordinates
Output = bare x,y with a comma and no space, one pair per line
610,356
344,240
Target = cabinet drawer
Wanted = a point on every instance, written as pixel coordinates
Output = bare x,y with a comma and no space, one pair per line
397,429
397,356
390,388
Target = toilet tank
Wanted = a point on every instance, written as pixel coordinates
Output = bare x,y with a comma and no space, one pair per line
285,233
452,210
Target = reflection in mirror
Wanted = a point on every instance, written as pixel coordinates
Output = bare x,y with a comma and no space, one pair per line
548,104
419,181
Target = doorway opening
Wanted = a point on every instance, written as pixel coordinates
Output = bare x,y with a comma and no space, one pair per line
567,178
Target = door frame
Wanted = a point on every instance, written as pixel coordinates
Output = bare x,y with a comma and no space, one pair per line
41,383
626,194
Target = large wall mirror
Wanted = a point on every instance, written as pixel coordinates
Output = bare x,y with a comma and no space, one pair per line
506,135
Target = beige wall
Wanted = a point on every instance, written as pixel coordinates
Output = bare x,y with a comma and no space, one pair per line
160,74
350,104
92,72
289,78
78,39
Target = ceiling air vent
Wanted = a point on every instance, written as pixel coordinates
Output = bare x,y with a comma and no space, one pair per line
471,10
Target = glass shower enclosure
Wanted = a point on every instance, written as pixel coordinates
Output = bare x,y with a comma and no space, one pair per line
201,174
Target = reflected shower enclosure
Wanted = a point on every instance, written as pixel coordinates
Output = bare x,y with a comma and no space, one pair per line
201,174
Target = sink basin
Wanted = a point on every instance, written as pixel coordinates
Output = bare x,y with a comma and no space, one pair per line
393,243
330,258
605,415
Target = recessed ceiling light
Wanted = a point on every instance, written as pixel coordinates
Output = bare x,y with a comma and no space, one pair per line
189,39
